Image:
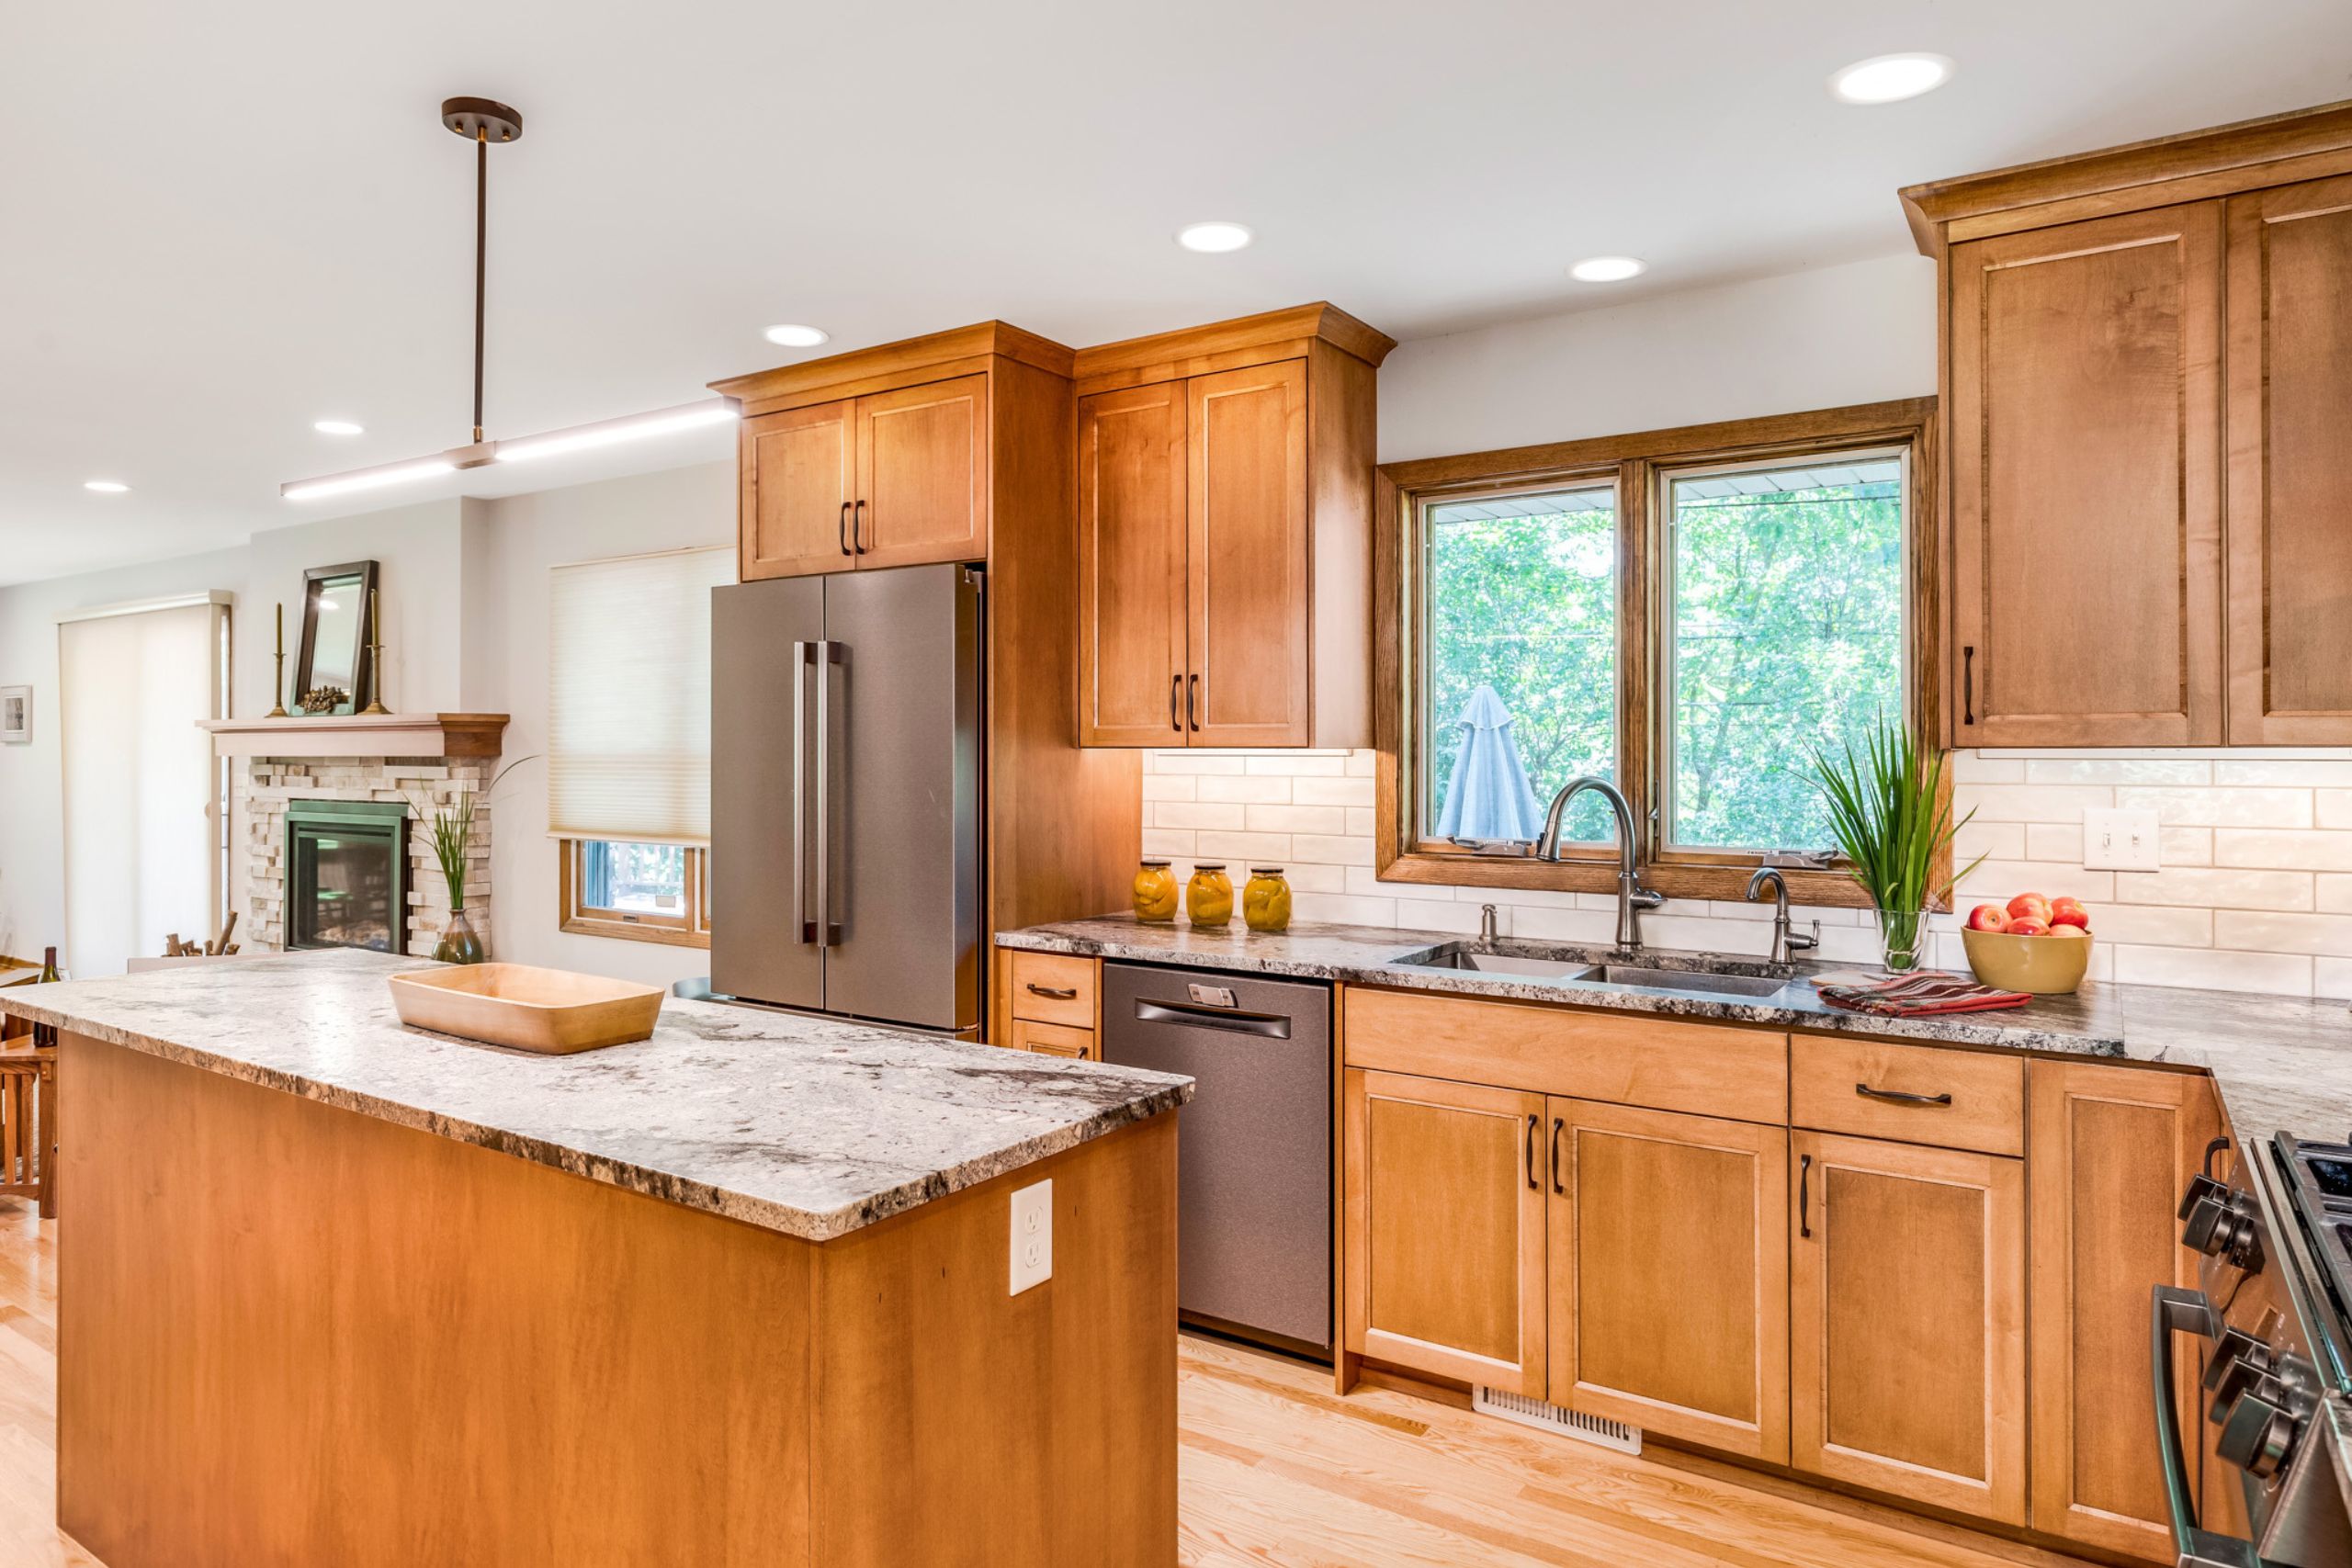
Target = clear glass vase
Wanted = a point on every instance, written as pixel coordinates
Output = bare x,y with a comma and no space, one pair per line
457,944
1903,939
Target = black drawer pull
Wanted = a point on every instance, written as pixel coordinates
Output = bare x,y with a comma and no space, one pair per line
1805,1196
1899,1097
1057,993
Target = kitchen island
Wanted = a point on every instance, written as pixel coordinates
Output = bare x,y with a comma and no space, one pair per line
337,1291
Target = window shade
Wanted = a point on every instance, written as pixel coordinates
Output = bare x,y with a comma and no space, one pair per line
629,696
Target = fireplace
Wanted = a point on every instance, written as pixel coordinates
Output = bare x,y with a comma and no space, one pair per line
347,869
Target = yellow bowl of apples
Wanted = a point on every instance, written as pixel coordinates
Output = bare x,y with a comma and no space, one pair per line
2032,943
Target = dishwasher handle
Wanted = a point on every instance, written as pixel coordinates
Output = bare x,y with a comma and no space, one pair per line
1271,1025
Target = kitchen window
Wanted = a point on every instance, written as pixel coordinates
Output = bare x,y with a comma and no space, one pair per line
650,892
1687,614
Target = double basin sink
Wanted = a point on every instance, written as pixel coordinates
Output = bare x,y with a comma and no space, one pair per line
1523,961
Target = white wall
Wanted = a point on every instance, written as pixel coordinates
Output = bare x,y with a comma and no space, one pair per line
1857,333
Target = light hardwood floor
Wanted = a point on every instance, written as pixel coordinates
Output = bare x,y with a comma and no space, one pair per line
1276,1473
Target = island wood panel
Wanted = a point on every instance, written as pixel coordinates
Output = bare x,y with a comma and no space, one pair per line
1443,1271
1907,1321
2086,484
799,475
1986,1111
923,474
295,1333
2290,646
1130,575
1247,558
1665,1063
2113,1148
1669,1242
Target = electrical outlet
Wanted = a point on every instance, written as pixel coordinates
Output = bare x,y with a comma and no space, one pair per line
2120,841
1032,1235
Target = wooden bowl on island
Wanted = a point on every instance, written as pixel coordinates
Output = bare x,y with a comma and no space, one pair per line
2045,965
553,1012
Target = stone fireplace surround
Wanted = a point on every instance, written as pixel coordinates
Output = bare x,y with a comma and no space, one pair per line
425,784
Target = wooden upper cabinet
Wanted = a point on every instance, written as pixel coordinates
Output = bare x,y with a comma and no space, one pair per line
2087,482
2291,486
798,472
1247,556
1906,1314
1668,1247
1224,480
1444,1240
1131,577
923,474
2112,1148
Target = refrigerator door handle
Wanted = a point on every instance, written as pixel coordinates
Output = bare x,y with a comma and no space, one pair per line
804,658
829,659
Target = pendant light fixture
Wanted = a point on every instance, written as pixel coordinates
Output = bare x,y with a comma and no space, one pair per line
484,122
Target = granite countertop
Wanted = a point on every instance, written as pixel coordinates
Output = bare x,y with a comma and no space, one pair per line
810,1126
2283,1063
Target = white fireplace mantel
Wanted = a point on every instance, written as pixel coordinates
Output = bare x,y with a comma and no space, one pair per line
359,734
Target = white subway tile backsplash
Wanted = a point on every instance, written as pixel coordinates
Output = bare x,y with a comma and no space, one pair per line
2256,893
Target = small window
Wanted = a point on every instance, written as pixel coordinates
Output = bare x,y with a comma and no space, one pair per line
651,891
1519,689
1784,634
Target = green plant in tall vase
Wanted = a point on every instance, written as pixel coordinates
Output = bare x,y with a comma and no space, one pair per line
1888,811
451,829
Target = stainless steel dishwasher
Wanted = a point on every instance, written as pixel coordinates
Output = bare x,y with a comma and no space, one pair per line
1254,1250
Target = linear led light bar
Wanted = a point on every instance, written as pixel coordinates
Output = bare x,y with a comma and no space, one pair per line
578,438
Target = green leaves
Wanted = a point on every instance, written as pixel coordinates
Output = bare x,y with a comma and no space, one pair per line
1887,810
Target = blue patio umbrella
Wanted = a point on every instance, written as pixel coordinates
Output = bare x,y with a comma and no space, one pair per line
1489,796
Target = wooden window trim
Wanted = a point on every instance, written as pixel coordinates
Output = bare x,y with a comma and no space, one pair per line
1636,462
690,928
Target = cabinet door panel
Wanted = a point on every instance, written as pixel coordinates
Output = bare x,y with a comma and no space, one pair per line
2290,488
923,467
1907,1321
2087,602
1131,582
1247,562
1445,1229
799,474
1668,1262
2112,1149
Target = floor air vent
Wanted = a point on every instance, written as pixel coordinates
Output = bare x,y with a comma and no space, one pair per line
1595,1430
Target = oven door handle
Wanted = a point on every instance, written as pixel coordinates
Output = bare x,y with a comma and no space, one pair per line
2173,1311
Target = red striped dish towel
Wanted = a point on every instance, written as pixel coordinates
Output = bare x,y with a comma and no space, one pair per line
1911,996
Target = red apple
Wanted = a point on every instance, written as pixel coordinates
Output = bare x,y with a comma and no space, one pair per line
2070,930
2069,912
2028,926
2029,907
1987,917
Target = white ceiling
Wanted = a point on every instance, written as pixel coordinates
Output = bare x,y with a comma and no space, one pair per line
221,222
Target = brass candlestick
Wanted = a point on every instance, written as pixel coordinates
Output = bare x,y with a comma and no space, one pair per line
375,656
278,686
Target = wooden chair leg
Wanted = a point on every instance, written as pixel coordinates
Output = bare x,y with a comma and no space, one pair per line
47,1145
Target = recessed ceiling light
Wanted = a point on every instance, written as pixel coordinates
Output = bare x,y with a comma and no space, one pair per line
1607,269
1889,78
338,427
1214,237
106,487
791,336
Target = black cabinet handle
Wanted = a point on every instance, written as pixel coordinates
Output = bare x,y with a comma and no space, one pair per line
1175,690
1900,1097
1532,1184
844,527
1968,685
1559,1127
1805,1196
1193,700
857,529
1057,993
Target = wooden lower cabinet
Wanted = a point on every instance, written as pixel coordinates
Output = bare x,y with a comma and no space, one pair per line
2112,1149
1667,1240
1907,1321
1444,1207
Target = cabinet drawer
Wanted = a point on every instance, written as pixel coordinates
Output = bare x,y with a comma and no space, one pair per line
1054,988
1053,1040
1668,1064
1986,1111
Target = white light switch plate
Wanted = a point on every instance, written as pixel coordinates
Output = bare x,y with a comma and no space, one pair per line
2120,841
1032,1235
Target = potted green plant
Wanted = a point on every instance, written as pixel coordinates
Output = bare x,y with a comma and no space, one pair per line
1888,813
451,829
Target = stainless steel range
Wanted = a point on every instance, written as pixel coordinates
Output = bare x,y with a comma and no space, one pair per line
2272,1319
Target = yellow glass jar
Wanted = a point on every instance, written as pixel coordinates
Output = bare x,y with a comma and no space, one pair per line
1155,895
1208,897
1265,902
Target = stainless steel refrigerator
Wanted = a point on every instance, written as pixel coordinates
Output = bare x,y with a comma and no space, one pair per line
845,794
